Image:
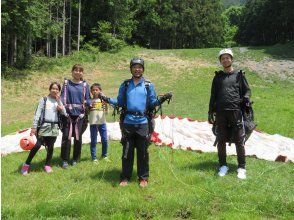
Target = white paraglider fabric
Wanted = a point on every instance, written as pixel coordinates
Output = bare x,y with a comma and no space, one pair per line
185,134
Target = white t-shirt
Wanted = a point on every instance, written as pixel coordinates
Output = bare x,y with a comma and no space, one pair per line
97,113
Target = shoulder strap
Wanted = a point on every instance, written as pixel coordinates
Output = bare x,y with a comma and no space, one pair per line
147,86
240,77
42,117
84,93
65,91
126,84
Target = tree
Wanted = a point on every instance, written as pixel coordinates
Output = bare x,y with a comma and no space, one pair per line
266,22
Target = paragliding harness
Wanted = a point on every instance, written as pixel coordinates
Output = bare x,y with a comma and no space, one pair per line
42,120
149,112
247,115
64,119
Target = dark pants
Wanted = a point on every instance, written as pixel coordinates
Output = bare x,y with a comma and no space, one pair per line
102,129
228,123
66,141
135,136
46,141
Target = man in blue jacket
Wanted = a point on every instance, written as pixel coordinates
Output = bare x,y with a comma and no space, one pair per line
137,97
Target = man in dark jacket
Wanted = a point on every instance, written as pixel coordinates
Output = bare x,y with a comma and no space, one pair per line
229,91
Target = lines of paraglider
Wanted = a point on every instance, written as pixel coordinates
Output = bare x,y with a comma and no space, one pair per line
170,162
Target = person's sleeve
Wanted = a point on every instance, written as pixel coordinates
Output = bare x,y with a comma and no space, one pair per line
119,100
245,87
62,94
212,101
38,113
63,111
153,97
88,96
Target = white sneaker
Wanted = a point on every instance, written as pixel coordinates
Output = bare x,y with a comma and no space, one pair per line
241,173
223,170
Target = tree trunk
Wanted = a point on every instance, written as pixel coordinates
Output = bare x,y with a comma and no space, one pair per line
14,50
50,35
63,35
69,29
48,49
10,51
79,25
56,39
28,47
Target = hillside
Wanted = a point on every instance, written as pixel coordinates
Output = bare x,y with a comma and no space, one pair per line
183,184
188,73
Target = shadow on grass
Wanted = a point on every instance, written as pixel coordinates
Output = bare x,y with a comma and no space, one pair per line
39,166
111,176
278,51
207,165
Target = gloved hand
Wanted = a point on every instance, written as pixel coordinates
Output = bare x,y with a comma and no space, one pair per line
103,97
166,96
81,116
211,117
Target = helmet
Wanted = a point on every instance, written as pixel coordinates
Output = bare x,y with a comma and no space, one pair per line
226,51
137,61
27,143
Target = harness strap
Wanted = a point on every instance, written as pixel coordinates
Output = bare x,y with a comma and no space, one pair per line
76,127
136,113
71,106
84,94
147,86
51,122
65,92
44,110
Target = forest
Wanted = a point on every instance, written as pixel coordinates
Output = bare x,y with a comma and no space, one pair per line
56,28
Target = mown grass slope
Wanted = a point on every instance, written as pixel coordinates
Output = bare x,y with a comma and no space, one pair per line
182,184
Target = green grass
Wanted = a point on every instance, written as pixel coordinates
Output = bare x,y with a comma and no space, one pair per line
182,185
170,70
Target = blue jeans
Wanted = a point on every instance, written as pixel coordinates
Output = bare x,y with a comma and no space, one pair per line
102,129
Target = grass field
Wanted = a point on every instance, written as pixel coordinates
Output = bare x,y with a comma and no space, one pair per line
182,184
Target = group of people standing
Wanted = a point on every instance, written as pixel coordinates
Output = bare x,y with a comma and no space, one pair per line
69,108
137,99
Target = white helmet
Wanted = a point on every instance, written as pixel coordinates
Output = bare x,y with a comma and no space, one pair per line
226,51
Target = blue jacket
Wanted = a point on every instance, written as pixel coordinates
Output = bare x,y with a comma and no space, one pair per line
73,98
136,98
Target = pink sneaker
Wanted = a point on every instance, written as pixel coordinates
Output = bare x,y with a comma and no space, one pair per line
25,169
48,169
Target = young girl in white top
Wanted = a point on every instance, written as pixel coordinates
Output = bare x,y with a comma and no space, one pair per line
45,126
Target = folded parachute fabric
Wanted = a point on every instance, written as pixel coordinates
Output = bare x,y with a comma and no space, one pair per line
185,134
